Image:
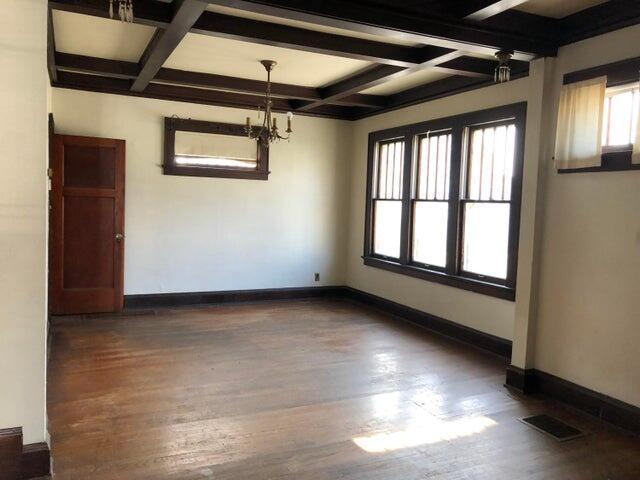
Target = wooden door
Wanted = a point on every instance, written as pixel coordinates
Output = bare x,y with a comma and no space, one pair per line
87,225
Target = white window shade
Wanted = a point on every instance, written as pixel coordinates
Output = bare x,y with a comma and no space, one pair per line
635,156
579,130
207,145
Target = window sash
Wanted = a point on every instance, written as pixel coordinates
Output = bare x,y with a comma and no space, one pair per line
459,127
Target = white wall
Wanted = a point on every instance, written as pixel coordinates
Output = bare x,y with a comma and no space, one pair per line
186,234
23,161
484,313
588,315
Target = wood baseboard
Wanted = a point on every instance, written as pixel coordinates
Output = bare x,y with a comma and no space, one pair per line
611,410
490,343
22,462
159,300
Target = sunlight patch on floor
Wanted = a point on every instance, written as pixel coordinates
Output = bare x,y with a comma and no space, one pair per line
432,431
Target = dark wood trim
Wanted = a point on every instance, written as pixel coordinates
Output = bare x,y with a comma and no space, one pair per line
452,275
128,70
285,36
597,20
165,41
169,166
445,87
22,462
484,341
618,73
160,300
442,32
608,409
457,281
95,83
147,12
611,162
10,453
36,461
490,343
51,48
378,74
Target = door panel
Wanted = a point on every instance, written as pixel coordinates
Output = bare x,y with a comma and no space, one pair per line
87,225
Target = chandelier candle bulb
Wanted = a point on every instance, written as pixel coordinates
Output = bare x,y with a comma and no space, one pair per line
289,118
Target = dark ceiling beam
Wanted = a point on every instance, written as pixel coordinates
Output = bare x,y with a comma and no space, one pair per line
147,12
447,33
129,70
376,75
597,20
94,83
266,33
51,48
431,91
165,41
478,10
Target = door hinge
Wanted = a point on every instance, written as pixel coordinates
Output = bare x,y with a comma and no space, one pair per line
50,172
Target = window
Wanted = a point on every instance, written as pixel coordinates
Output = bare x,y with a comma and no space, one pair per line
387,198
210,149
620,117
431,199
443,200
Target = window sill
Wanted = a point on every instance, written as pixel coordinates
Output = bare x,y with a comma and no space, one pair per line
189,171
464,283
612,161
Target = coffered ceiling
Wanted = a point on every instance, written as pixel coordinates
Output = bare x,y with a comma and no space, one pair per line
335,58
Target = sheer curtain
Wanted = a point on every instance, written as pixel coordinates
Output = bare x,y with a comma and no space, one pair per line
635,156
579,130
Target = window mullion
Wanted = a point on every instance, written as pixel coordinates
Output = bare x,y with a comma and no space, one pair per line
453,228
405,232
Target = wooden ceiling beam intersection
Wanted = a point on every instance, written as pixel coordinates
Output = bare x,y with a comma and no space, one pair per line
442,32
165,41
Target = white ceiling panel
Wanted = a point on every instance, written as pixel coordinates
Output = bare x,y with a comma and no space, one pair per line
201,53
100,37
557,8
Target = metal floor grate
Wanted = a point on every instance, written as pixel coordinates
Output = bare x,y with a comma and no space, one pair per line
553,427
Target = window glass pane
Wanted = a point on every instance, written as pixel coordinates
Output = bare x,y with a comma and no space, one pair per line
430,233
434,166
486,239
490,163
386,232
388,170
213,150
620,116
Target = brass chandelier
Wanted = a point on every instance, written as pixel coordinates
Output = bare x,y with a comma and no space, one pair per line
269,129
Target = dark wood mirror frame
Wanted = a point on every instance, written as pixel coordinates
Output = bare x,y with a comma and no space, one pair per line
169,166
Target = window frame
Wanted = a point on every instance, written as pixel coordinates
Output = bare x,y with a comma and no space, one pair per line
616,158
452,274
170,167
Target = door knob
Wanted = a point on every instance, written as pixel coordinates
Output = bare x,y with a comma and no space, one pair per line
119,237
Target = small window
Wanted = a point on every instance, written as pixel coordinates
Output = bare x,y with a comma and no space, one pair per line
210,149
387,199
620,117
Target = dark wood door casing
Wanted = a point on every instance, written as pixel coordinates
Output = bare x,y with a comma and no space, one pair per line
87,225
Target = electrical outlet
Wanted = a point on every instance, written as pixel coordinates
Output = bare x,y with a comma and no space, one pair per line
317,277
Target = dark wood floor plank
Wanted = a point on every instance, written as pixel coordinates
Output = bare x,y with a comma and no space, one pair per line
304,390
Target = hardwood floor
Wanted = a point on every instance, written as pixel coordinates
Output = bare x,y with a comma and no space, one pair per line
318,389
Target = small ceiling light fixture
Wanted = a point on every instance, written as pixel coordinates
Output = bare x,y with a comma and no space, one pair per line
503,70
125,10
269,128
